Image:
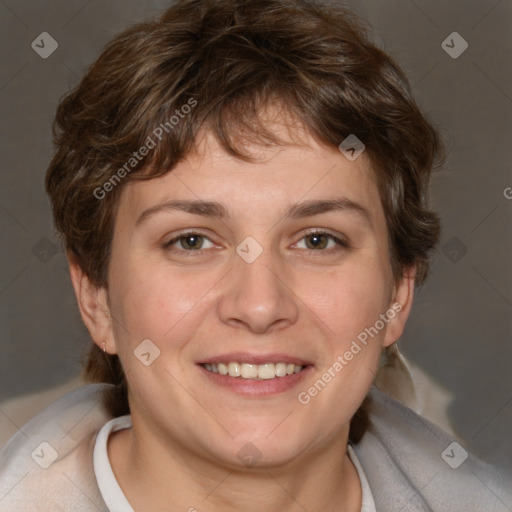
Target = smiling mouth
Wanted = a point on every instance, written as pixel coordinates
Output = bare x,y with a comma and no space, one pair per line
254,371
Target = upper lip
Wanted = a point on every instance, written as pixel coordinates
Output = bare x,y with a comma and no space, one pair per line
244,357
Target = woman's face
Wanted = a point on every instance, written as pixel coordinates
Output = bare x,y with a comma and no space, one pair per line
259,268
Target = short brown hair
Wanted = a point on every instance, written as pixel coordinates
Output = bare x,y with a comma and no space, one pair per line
229,60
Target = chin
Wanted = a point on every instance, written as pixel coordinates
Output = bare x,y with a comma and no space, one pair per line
264,446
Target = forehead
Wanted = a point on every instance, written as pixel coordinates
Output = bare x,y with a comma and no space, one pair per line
276,178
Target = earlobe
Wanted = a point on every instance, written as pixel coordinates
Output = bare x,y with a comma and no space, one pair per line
93,304
401,305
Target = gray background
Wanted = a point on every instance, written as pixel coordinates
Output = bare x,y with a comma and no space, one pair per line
460,329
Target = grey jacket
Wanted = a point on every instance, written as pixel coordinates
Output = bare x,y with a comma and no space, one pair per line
411,464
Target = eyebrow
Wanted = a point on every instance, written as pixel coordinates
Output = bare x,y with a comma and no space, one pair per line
297,211
317,207
203,208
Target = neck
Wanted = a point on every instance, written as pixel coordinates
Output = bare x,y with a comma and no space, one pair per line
157,474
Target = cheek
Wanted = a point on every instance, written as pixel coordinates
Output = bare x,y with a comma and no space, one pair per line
348,300
349,304
150,301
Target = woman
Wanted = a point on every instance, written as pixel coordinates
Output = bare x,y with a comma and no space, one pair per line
242,190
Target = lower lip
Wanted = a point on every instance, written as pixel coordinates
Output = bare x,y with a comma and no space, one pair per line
257,387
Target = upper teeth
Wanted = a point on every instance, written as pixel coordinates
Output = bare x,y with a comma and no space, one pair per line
254,371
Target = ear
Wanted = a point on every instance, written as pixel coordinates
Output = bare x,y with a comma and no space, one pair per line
93,304
401,304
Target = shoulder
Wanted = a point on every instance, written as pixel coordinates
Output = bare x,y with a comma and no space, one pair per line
411,464
48,463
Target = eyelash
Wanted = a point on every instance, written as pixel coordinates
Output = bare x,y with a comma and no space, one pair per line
197,252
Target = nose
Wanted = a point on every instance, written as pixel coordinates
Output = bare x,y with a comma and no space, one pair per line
257,296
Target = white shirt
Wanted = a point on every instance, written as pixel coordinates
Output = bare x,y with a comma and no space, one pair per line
115,499
368,505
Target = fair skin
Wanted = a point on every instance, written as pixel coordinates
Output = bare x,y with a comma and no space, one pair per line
304,299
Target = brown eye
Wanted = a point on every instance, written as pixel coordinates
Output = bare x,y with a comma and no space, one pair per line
317,241
189,242
193,242
320,241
